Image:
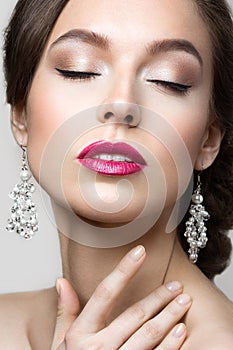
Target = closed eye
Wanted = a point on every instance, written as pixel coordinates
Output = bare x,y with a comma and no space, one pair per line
76,75
175,87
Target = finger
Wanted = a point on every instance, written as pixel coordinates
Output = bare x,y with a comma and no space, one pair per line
154,330
135,316
94,315
67,310
174,339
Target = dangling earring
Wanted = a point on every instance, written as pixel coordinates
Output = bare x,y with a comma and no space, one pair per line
23,213
195,226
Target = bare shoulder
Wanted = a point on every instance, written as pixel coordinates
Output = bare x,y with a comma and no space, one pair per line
24,316
215,329
212,326
210,338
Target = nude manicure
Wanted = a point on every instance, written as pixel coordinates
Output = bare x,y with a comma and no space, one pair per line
183,299
179,330
137,253
173,286
58,287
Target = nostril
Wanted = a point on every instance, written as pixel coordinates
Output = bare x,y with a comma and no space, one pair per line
129,119
108,115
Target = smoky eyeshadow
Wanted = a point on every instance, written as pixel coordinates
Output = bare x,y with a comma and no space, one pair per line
75,58
176,68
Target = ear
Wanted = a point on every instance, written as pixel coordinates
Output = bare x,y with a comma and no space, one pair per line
19,125
210,147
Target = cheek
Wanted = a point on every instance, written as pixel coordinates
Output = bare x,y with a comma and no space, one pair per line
46,112
191,121
187,116
193,134
49,105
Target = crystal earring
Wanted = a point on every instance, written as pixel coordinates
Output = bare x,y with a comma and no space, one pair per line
23,212
196,232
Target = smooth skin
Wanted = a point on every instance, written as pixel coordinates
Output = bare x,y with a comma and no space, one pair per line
151,323
94,314
141,326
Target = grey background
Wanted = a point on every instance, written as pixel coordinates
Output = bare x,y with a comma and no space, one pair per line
34,264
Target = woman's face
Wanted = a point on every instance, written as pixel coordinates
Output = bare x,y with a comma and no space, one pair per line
151,53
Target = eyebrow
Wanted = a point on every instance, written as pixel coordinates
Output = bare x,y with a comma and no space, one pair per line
103,42
86,36
174,45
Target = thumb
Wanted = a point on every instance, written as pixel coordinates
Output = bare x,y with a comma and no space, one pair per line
67,311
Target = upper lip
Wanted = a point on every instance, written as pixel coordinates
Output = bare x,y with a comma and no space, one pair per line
119,148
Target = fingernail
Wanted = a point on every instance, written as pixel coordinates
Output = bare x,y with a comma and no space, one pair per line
183,299
137,253
58,287
179,330
173,286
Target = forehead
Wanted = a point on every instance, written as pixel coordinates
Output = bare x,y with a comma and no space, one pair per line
129,23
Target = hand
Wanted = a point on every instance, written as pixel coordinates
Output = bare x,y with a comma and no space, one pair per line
148,324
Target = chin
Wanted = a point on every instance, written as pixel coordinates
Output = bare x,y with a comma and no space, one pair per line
100,217
103,223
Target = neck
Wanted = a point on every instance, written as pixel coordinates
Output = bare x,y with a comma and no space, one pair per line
85,267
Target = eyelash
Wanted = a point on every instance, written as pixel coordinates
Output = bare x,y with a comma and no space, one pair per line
74,75
181,89
82,76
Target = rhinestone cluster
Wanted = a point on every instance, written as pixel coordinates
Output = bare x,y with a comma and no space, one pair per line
196,232
23,212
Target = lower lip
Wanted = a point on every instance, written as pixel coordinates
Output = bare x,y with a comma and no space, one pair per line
111,168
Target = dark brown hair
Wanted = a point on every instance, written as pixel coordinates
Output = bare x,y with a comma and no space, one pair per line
25,40
218,179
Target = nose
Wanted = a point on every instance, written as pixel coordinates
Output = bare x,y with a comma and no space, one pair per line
120,112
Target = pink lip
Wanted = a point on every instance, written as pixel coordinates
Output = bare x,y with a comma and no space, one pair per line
109,167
